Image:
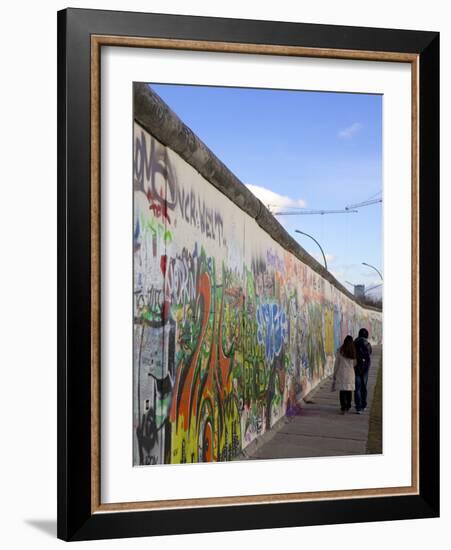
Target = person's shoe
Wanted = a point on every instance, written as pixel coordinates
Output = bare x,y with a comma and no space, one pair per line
342,412
358,411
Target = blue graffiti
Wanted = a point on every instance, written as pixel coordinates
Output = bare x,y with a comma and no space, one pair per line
271,331
337,328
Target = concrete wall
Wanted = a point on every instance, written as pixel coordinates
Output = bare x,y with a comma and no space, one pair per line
230,327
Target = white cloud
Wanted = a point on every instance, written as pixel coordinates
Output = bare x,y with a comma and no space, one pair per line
274,200
350,131
330,258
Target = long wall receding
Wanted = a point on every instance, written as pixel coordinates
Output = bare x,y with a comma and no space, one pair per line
231,326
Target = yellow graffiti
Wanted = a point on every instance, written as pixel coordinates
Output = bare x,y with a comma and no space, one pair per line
329,331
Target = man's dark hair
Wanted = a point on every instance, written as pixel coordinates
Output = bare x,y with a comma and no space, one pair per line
363,333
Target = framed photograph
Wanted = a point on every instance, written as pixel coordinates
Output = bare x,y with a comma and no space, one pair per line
248,274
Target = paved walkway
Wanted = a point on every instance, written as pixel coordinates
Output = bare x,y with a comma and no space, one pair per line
320,429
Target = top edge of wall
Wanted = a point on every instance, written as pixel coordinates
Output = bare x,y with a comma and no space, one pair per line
155,116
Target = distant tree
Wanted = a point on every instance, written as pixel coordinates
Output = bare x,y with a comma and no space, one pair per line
372,301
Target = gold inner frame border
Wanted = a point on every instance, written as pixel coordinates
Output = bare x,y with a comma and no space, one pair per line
97,41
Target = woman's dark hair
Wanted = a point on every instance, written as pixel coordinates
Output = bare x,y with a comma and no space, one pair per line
348,348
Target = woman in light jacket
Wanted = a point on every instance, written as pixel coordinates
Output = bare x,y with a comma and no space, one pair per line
344,375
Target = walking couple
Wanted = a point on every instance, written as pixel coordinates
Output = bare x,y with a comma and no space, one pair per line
352,363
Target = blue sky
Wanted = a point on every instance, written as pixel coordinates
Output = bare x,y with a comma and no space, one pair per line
321,150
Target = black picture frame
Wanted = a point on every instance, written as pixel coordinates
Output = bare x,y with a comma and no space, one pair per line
76,519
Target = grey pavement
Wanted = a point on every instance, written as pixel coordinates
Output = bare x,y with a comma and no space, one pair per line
319,429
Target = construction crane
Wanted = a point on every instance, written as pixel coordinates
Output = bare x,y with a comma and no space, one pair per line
297,211
361,204
359,289
303,212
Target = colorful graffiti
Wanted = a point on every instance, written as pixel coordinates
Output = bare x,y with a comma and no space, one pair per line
230,329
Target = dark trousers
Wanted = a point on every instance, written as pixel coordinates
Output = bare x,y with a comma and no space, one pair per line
345,399
361,392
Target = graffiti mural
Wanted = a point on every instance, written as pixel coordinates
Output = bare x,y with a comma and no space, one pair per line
230,329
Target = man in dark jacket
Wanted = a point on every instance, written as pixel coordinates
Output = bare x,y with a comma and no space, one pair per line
363,353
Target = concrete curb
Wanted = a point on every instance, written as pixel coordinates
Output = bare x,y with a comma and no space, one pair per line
251,449
309,397
260,440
